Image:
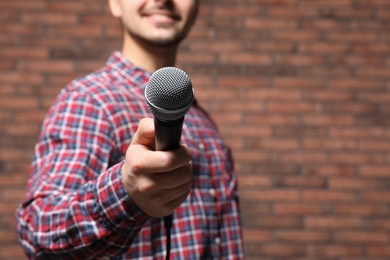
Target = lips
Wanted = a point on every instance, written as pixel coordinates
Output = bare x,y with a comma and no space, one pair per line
164,16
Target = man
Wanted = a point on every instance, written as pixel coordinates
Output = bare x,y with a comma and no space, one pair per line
97,186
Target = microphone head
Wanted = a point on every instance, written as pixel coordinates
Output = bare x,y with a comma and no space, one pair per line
169,94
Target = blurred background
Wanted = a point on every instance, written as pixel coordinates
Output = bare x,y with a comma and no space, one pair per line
299,88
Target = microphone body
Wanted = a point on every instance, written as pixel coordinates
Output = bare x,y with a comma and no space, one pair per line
168,134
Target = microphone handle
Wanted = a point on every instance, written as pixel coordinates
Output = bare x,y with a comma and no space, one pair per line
168,134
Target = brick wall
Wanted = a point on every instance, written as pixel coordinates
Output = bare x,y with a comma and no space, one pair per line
299,88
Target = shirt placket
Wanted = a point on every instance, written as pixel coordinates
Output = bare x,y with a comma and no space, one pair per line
212,197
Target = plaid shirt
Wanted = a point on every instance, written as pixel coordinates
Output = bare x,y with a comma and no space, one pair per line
76,205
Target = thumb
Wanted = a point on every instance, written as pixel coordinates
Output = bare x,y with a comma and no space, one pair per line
145,133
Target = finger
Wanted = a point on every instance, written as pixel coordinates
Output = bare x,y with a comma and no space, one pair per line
155,162
174,178
145,133
169,199
175,203
171,160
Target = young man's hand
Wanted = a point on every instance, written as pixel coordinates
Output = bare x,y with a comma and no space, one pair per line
157,181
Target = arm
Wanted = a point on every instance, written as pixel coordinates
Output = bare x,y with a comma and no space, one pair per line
75,206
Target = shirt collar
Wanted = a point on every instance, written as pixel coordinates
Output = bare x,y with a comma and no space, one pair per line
130,72
127,71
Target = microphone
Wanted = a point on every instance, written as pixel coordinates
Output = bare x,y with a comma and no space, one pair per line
169,95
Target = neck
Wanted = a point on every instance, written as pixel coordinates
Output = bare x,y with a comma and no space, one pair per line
147,56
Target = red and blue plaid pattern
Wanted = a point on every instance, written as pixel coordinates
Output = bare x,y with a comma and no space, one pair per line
76,206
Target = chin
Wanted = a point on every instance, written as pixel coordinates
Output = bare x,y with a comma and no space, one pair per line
165,41
158,40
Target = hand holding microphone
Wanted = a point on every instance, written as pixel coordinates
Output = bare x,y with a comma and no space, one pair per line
158,182
157,172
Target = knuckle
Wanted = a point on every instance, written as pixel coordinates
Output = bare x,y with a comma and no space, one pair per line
145,186
136,168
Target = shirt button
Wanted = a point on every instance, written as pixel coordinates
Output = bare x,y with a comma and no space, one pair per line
218,241
212,192
201,146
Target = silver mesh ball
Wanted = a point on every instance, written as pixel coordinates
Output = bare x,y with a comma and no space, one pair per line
169,93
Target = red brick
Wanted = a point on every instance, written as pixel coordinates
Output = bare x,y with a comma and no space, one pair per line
352,108
373,3
24,29
300,60
297,83
269,24
376,196
272,222
356,158
254,83
362,209
339,120
329,223
64,30
13,52
379,224
11,252
303,131
288,13
328,48
271,195
325,72
352,37
383,14
275,144
300,209
358,84
21,5
251,157
303,157
281,250
335,251
252,181
202,58
18,103
293,108
378,251
49,18
329,196
299,236
274,2
329,144
355,184
371,72
271,120
327,3
296,35
356,133
331,170
300,182
74,7
247,58
257,235
271,46
375,171
357,237
47,66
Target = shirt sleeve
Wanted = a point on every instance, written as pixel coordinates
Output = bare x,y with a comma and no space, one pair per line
76,207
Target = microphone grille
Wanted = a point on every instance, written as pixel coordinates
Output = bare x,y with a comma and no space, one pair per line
169,93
